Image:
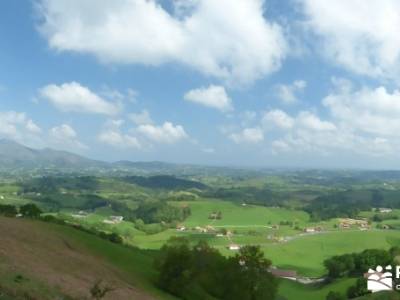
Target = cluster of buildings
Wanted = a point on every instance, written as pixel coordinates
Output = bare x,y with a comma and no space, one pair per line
313,229
384,210
348,223
80,214
113,220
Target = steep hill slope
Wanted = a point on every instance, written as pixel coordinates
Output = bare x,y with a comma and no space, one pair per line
47,261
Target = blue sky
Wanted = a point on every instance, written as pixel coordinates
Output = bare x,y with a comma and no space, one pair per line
296,83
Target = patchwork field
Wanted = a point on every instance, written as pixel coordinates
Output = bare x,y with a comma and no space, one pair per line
254,225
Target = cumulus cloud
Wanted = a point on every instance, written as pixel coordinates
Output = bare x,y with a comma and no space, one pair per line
277,118
288,93
212,96
306,132
17,126
112,136
361,36
310,121
363,121
141,118
73,97
66,137
167,133
304,119
117,139
237,44
373,111
248,135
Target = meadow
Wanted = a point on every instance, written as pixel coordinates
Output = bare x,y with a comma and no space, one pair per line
279,230
255,225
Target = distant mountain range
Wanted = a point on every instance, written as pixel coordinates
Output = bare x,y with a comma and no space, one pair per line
13,154
16,156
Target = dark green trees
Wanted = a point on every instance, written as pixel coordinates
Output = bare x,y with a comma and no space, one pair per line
201,272
30,210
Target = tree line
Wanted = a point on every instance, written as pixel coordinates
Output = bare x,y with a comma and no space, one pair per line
202,272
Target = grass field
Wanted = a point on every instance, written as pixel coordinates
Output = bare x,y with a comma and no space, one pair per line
252,225
292,290
306,254
235,215
51,245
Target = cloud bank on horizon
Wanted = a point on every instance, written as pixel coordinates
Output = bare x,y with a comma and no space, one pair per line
245,82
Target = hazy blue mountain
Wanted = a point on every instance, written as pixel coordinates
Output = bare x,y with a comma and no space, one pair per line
13,154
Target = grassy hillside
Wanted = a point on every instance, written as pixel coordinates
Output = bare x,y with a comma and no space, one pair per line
46,261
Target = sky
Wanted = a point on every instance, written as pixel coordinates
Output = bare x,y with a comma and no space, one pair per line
273,83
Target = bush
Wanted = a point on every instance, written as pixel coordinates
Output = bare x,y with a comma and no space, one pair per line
8,210
52,219
335,296
30,210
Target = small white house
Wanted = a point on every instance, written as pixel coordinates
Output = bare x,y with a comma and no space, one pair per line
234,247
181,228
113,220
384,210
117,219
309,230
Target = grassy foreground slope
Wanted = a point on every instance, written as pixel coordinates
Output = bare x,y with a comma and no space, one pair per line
48,261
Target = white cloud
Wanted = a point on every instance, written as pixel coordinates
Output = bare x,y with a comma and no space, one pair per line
167,133
66,137
32,127
17,126
112,136
231,40
372,111
304,119
73,97
310,121
277,118
212,96
363,121
360,35
287,93
141,118
116,139
248,135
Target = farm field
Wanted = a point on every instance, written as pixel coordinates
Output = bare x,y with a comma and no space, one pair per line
236,215
313,249
293,290
252,226
288,235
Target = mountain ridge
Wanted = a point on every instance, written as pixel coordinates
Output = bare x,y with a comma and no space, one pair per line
14,154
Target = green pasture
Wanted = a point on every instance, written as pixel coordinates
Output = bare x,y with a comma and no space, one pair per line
307,253
236,215
291,290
